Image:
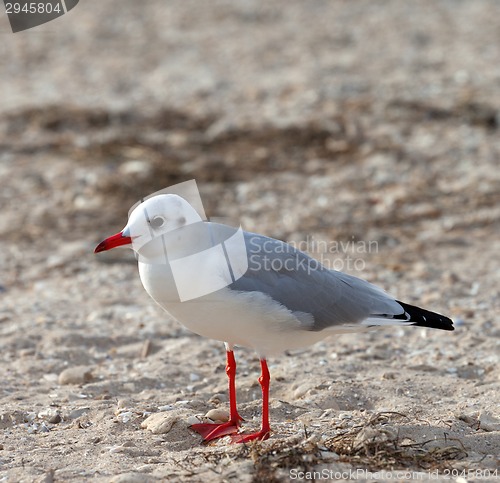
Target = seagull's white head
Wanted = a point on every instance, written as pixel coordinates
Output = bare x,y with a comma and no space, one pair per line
155,217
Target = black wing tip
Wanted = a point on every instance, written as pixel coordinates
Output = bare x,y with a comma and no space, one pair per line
426,318
444,324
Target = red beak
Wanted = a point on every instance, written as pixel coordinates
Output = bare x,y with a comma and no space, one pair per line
112,242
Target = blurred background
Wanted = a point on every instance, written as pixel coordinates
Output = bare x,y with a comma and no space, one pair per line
335,120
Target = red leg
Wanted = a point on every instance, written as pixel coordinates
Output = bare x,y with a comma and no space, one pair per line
211,431
265,429
231,374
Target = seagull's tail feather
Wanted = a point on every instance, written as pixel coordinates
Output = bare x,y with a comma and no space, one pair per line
412,315
425,318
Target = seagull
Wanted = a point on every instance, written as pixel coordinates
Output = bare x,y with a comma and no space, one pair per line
246,289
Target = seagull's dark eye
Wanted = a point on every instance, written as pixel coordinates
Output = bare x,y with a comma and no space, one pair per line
157,221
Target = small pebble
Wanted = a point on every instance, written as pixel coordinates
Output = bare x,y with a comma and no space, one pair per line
193,420
123,403
161,423
388,375
132,478
75,375
146,349
166,407
55,419
302,390
126,416
218,415
76,413
469,419
488,422
51,415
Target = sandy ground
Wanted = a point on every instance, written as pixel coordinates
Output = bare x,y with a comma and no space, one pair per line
336,121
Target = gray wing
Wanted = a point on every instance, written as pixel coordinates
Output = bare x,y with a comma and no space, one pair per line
303,285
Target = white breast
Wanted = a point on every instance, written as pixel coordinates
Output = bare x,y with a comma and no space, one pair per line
250,319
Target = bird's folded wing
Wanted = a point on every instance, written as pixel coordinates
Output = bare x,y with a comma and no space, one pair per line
303,285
